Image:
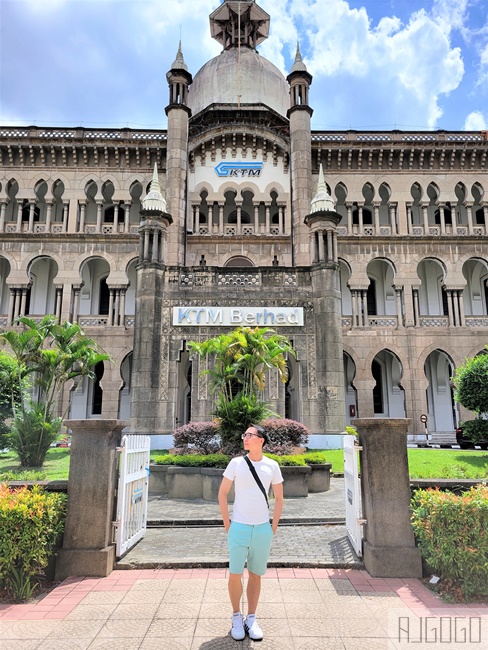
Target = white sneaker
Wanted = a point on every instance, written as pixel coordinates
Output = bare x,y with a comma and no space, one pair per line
252,628
237,633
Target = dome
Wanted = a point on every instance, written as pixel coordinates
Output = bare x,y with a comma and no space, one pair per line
217,82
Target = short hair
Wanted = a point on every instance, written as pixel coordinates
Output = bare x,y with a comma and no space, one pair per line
261,432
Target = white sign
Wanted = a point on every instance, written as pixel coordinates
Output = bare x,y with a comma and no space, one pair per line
245,316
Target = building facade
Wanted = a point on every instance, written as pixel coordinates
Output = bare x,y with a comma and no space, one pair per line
376,270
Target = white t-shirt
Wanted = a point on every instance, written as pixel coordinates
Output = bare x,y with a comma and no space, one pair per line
249,502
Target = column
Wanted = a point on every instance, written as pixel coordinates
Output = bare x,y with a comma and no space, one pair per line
155,246
49,211
399,309
450,308
81,227
354,308
239,218
116,307
281,211
409,219
23,301
349,218
330,246
99,216
123,293
3,209
76,302
442,218
268,218
320,234
364,307
393,220
416,312
360,217
485,214
425,212
127,206
376,207
65,215
469,212
30,227
116,217
19,216
221,218
256,218
146,244
111,307
11,305
196,219
58,302
336,252
462,319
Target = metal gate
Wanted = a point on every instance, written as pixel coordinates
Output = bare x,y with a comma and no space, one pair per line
132,492
354,511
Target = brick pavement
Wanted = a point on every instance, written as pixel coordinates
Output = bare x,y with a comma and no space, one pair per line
301,609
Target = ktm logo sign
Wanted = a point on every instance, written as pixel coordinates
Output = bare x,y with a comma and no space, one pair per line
239,170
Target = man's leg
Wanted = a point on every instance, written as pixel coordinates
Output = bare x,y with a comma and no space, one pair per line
253,592
235,591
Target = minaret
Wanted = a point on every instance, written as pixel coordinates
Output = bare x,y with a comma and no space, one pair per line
300,115
322,225
147,409
178,112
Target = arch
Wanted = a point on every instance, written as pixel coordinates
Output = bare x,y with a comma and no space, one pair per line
125,392
475,295
381,299
432,296
368,193
441,408
5,270
345,274
388,393
350,392
41,299
238,261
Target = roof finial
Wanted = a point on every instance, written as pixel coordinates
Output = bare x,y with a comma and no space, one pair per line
154,200
322,202
299,65
179,63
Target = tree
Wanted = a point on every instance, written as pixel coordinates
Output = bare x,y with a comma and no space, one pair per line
238,376
51,354
10,392
471,381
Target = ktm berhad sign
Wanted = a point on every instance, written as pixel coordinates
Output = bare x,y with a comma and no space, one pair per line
234,316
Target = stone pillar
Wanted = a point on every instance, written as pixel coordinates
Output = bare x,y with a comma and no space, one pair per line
81,227
88,548
32,206
393,219
99,216
65,215
389,544
3,209
19,216
349,218
360,218
442,217
127,206
376,207
469,213
399,306
221,219
425,213
409,219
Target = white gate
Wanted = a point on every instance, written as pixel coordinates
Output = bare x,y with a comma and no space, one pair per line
132,492
354,511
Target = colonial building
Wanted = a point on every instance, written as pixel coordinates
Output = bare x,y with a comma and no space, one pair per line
375,267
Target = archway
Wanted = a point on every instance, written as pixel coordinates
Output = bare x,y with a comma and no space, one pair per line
441,408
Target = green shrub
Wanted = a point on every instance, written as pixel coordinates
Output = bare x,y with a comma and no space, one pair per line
197,437
193,460
235,416
476,429
33,431
315,457
452,534
23,475
285,435
288,461
31,522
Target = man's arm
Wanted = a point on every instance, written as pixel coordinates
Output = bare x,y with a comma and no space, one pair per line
278,508
223,503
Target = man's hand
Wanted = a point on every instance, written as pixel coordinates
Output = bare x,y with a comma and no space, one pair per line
227,526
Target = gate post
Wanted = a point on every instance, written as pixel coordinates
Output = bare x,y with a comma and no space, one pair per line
389,549
88,548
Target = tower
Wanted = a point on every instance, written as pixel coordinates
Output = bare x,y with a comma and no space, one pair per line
322,224
300,115
178,112
146,398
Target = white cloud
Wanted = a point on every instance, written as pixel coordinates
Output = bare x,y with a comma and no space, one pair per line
476,121
410,65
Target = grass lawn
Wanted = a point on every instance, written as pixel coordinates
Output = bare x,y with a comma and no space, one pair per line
423,463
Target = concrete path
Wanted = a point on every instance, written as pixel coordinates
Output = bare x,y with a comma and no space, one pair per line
190,533
303,609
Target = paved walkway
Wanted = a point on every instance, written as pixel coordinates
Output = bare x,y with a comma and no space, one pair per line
303,609
189,533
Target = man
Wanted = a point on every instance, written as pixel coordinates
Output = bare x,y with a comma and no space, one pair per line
249,535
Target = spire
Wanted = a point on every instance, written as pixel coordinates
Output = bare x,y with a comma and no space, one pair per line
154,201
299,65
179,62
322,202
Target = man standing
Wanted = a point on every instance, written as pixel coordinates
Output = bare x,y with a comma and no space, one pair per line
249,535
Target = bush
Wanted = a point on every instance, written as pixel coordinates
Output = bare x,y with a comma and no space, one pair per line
476,429
33,431
31,522
288,461
452,534
285,435
235,417
198,437
315,457
193,460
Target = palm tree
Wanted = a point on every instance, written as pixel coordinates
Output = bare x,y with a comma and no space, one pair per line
51,354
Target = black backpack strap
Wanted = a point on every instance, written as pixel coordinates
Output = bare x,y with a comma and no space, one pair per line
257,479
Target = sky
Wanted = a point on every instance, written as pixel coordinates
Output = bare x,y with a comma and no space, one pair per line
376,64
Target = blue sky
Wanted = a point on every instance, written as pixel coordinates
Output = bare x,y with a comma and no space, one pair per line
377,64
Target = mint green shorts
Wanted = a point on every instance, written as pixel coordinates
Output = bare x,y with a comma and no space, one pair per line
249,542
